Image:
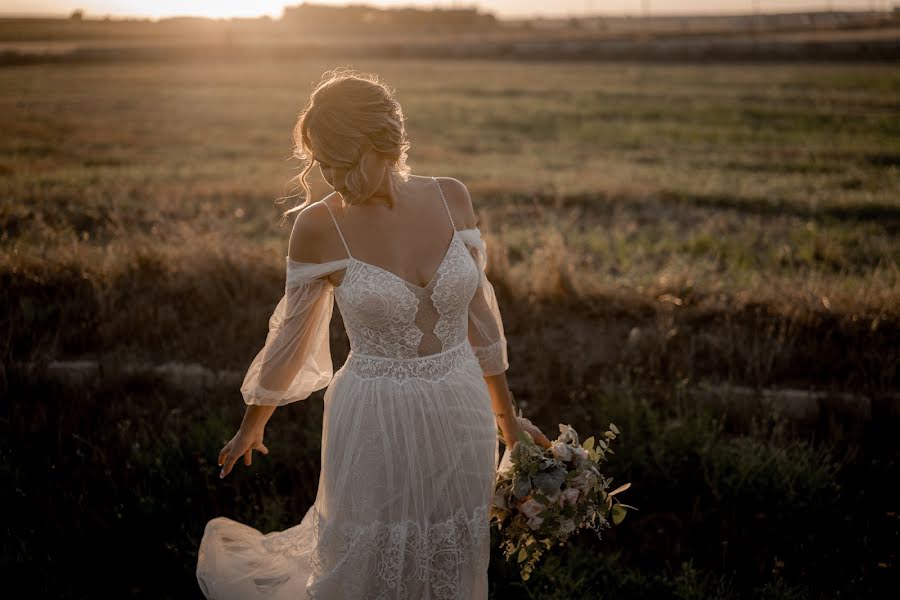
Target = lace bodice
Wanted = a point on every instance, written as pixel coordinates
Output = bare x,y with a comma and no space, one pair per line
389,317
397,329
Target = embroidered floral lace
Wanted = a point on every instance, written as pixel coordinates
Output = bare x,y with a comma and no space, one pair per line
416,332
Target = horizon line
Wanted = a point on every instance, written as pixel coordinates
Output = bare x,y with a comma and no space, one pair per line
91,16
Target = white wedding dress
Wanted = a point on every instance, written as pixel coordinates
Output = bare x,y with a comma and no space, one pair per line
409,440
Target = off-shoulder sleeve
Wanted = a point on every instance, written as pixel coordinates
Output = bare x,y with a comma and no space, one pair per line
295,360
486,333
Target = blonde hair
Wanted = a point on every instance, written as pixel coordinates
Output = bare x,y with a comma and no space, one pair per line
348,112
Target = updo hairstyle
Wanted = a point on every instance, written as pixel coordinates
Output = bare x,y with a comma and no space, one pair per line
348,112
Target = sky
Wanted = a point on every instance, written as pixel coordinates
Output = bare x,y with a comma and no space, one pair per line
502,8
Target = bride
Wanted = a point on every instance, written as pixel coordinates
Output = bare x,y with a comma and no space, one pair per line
410,425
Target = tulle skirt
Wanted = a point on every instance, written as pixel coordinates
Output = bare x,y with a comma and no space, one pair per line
409,462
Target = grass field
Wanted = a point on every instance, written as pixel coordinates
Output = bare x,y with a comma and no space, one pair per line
653,230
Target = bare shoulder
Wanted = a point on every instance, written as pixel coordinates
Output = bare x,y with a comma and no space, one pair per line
458,201
310,230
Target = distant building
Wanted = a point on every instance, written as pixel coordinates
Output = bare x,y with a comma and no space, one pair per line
359,16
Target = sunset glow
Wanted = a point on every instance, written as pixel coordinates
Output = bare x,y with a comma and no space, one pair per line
198,8
502,8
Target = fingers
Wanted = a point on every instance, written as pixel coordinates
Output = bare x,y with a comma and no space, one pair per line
229,463
538,436
223,454
248,457
228,459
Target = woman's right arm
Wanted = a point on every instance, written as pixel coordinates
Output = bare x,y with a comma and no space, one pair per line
295,359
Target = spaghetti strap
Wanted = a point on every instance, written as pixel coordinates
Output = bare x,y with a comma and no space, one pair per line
340,233
445,203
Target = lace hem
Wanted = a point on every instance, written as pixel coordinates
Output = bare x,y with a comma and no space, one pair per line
403,558
433,367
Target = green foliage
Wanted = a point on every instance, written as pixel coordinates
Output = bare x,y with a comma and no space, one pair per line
547,494
695,584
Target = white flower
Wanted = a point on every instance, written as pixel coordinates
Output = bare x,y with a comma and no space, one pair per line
567,434
584,481
531,507
580,452
535,522
561,452
568,496
566,526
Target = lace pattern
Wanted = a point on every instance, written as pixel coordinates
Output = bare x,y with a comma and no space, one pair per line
383,312
433,367
403,555
380,312
453,290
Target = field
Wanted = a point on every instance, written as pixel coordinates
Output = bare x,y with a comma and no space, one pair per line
704,254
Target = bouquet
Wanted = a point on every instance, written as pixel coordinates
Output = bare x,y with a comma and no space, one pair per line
543,495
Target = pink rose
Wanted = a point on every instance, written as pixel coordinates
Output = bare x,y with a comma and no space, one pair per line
568,496
531,507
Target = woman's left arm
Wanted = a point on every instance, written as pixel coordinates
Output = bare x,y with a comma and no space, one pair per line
510,425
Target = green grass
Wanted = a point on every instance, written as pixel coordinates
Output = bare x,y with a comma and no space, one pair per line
124,476
792,168
650,228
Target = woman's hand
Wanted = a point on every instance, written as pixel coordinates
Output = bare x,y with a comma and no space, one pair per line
242,444
511,426
538,435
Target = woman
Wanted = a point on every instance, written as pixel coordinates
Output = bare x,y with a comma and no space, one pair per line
409,438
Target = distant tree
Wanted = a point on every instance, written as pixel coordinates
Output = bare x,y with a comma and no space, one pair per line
77,15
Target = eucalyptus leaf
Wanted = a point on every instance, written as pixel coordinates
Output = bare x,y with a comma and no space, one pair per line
521,486
621,488
549,482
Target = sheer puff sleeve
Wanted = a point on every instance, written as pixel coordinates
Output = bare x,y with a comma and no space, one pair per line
295,360
486,333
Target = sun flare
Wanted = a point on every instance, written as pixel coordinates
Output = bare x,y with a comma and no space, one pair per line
201,8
